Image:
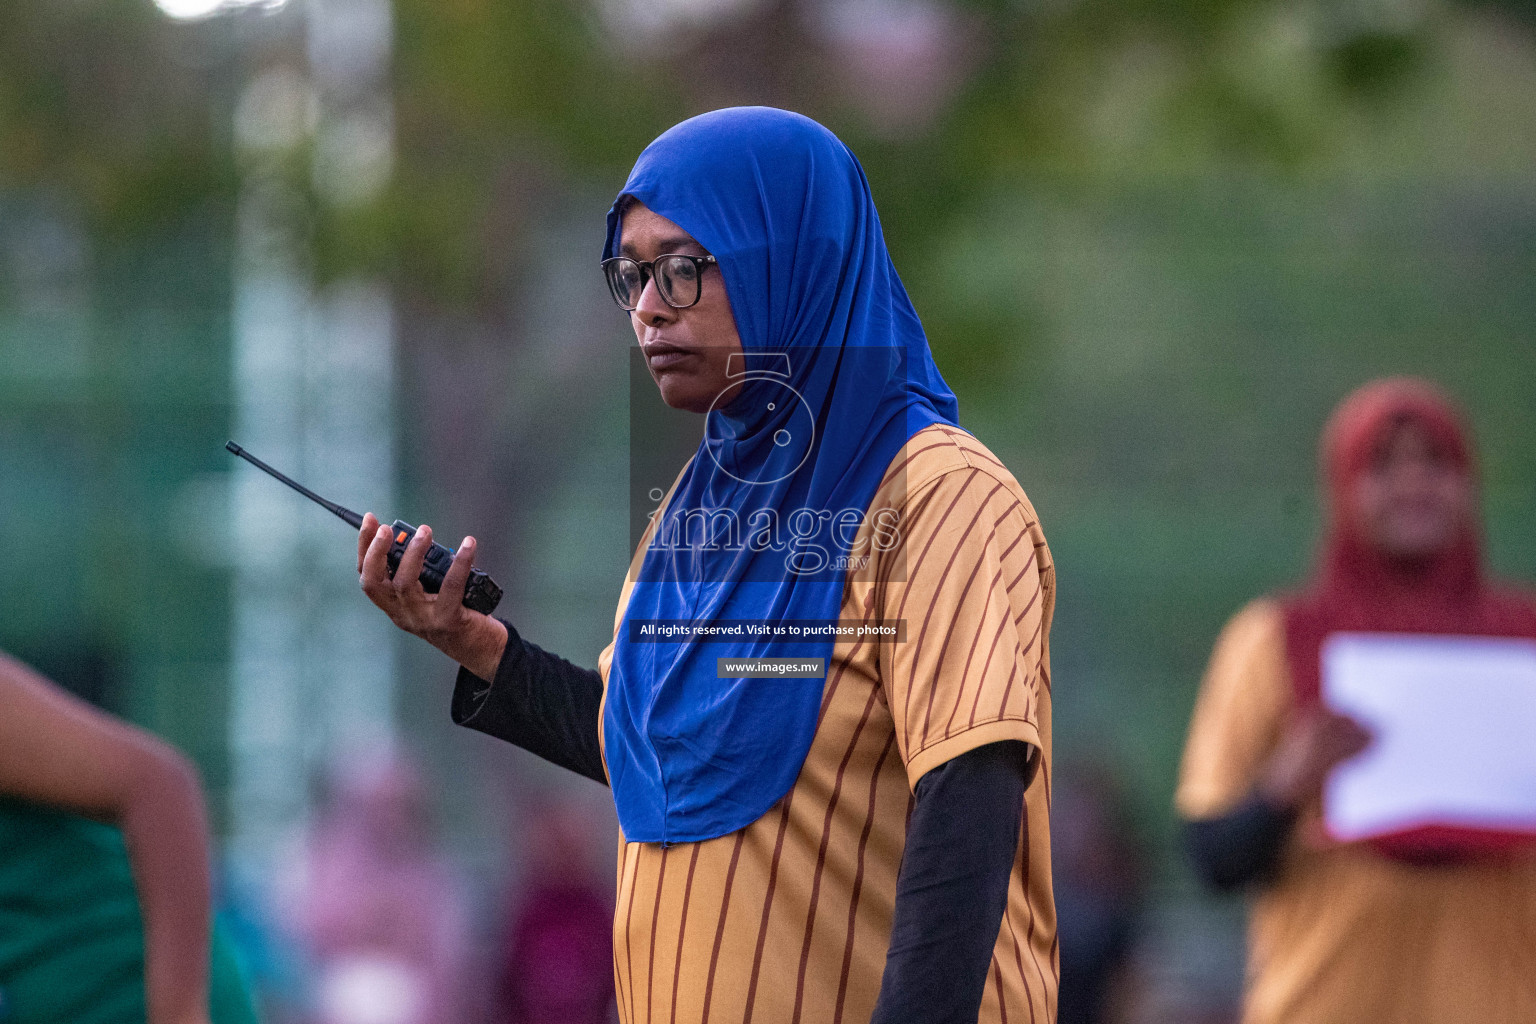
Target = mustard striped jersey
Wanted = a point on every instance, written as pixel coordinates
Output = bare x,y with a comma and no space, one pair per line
789,918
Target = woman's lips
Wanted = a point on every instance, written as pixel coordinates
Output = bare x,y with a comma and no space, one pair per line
666,357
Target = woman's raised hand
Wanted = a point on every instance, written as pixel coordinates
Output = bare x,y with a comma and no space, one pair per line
474,640
1316,740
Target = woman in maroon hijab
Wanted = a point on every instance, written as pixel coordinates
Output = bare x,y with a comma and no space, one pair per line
1434,924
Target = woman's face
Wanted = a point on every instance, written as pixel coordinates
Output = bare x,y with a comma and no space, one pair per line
686,350
1413,499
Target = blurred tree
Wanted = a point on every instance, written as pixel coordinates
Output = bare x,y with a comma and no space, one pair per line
80,117
498,103
502,104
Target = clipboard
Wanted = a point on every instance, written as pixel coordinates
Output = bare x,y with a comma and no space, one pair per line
1451,769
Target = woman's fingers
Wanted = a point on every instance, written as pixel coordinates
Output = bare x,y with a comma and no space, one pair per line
375,569
1342,738
441,619
408,572
365,537
457,576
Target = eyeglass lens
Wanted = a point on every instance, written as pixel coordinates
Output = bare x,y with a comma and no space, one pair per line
677,279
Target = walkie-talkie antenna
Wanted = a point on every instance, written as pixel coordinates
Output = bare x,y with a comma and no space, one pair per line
352,518
481,593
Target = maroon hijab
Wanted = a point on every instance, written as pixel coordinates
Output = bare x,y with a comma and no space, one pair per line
1356,588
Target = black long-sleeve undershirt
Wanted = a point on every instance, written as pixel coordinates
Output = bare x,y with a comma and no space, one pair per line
538,701
952,887
1241,846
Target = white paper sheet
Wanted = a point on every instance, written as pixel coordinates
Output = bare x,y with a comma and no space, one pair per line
1454,721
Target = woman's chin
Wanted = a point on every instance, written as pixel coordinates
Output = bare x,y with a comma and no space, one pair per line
682,392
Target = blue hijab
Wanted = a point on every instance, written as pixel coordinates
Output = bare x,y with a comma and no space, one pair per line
836,377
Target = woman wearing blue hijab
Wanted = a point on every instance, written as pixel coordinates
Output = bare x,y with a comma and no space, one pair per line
828,694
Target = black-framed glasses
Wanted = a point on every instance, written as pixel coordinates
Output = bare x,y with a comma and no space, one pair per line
679,279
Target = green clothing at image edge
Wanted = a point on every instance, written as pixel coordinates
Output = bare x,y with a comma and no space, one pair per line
71,938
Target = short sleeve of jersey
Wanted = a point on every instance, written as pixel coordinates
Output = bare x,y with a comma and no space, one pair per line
1243,702
968,581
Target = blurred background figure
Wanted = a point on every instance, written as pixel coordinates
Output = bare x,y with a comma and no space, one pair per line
1429,925
1098,867
556,960
378,907
104,876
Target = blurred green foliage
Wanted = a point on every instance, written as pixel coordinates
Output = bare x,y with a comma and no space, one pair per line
129,112
106,103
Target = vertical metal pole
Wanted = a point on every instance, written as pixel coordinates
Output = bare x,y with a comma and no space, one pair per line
268,706
314,665
351,362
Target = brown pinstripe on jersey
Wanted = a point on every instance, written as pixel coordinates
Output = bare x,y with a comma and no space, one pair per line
788,919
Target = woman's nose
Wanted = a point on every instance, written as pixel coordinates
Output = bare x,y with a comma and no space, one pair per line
652,309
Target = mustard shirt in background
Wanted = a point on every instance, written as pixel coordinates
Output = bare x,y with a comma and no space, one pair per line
1342,934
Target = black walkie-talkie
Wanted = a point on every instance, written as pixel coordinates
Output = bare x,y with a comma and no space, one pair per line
481,593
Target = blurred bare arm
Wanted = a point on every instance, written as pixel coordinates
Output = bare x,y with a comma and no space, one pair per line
59,751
